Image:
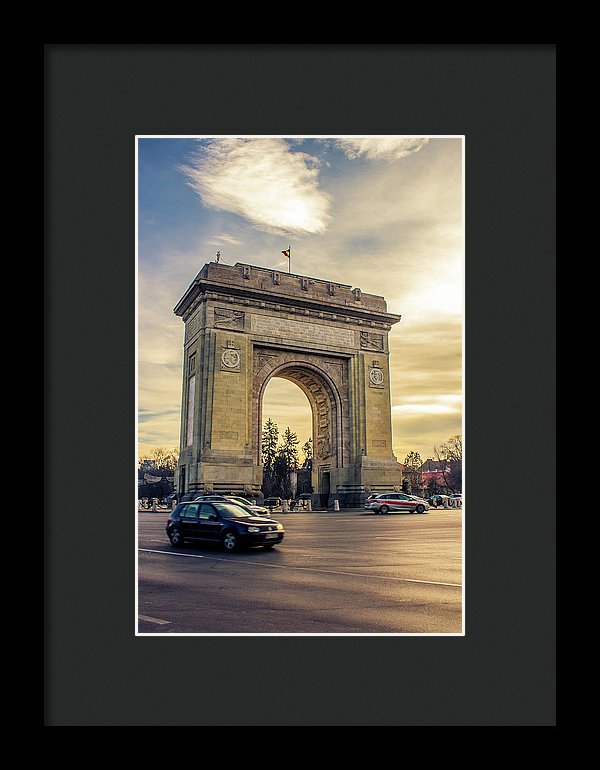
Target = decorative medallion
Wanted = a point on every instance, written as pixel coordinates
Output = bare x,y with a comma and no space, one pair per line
230,358
376,377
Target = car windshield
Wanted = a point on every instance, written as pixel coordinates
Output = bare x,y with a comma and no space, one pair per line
232,511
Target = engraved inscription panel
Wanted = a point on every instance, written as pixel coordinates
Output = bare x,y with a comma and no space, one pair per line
190,411
301,331
192,325
228,435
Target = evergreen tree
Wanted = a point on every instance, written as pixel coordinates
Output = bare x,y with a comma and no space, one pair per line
270,439
307,449
278,460
290,449
282,485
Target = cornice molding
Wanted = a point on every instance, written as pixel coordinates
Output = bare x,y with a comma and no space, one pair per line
203,290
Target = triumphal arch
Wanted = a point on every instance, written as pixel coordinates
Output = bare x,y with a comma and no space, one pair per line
245,325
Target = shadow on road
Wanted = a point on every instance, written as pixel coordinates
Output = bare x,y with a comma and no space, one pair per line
217,550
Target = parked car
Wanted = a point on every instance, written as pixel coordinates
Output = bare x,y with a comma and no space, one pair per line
301,501
437,500
185,498
397,501
455,501
272,502
222,522
258,510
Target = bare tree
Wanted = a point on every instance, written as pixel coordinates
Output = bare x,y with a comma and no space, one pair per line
412,469
449,457
165,458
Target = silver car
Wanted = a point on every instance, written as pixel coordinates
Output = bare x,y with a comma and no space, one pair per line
397,501
257,510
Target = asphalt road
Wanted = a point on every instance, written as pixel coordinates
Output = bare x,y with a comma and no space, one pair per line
346,572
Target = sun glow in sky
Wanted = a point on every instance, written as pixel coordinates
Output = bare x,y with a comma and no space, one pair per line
380,213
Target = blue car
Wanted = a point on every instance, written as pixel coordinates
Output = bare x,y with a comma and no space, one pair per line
230,525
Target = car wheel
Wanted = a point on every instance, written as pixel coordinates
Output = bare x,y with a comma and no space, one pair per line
230,541
269,547
384,509
175,537
420,509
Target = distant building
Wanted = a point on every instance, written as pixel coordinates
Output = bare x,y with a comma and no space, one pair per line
433,470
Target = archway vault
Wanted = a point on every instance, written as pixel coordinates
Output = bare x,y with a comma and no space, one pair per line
324,381
245,325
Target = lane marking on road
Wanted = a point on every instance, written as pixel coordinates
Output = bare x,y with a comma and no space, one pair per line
158,621
305,569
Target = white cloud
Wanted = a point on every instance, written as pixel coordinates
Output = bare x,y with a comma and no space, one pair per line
220,240
386,148
262,180
449,398
425,409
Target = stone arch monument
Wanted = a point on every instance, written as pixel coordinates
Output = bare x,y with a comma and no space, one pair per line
245,325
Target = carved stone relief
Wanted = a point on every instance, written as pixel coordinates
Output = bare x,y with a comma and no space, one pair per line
229,319
371,341
323,448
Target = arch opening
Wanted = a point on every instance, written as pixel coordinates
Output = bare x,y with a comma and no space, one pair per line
326,419
286,405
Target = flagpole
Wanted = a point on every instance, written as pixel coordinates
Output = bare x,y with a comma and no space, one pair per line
288,254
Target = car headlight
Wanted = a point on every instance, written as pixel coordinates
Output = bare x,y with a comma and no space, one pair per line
279,526
253,529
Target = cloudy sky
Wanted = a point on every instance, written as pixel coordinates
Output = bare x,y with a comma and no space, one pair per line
381,213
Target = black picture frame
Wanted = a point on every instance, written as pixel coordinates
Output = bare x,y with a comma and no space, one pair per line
503,99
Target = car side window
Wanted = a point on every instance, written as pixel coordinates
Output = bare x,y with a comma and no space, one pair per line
205,512
393,497
190,511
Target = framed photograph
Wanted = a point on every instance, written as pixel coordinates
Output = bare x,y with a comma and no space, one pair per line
244,272
283,402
